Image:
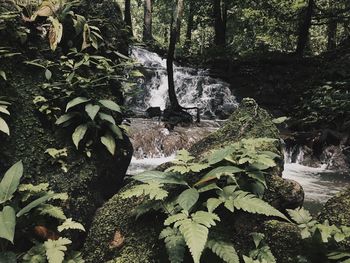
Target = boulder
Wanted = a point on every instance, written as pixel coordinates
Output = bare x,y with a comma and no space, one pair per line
140,237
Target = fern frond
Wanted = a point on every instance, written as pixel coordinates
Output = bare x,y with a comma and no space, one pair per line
70,224
174,243
195,236
55,249
175,218
223,250
205,218
53,211
153,190
252,204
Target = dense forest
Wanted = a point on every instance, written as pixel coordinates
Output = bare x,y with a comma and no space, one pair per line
154,131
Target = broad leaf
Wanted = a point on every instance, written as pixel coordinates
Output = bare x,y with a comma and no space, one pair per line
34,204
106,117
108,141
79,134
4,127
188,198
7,223
76,101
110,105
66,117
218,172
10,182
92,110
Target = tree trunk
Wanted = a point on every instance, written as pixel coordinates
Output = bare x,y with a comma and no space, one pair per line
174,29
190,24
220,14
304,30
332,34
127,15
147,25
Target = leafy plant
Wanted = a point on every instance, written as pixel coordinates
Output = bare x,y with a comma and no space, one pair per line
317,235
261,253
92,120
191,214
4,111
23,205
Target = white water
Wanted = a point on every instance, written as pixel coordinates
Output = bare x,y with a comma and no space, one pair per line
194,87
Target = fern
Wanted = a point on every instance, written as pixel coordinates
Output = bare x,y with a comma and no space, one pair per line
184,164
153,190
70,224
223,250
55,249
29,190
252,204
174,243
53,211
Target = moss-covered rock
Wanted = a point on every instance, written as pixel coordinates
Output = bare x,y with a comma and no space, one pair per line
141,242
337,209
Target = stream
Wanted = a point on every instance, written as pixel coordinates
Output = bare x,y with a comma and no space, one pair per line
154,144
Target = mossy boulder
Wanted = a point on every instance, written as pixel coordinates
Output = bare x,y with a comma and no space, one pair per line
337,209
140,237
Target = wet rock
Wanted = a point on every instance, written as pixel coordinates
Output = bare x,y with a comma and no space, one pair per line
154,112
141,243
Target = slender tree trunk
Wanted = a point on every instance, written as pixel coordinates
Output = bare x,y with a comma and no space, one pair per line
174,29
304,30
219,22
127,15
332,34
147,25
190,24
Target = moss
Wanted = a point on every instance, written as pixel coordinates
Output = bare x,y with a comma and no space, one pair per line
284,240
337,209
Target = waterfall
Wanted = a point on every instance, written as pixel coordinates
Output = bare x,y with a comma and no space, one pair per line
194,87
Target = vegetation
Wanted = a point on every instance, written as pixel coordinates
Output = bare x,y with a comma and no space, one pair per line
65,74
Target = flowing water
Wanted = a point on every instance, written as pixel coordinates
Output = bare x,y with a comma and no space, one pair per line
154,144
194,87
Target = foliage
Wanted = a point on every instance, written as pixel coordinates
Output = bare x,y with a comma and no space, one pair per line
322,239
4,111
261,253
225,176
23,207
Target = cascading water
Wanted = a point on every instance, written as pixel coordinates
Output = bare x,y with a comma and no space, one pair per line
194,87
154,145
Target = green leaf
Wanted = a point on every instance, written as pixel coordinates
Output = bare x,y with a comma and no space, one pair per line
4,127
300,215
280,120
218,172
209,187
219,155
66,117
74,257
116,130
10,182
106,117
213,203
53,211
76,101
34,204
110,105
153,190
174,243
55,249
4,110
188,198
250,203
108,141
8,257
205,218
70,224
195,236
7,223
48,74
158,177
92,110
3,74
223,250
79,134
